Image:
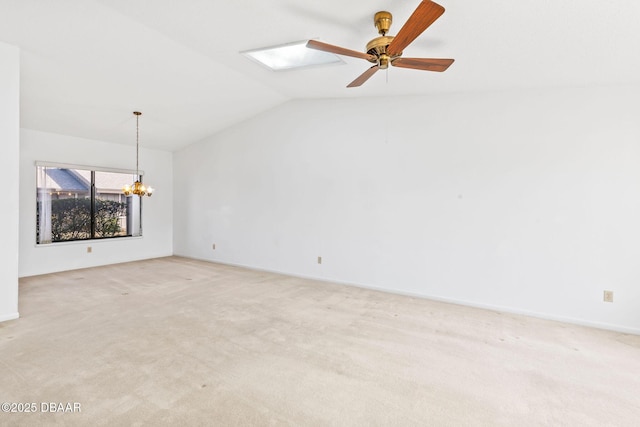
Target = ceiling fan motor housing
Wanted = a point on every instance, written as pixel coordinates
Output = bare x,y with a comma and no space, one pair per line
378,48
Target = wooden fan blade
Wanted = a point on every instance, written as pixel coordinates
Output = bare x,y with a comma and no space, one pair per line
364,77
428,64
425,15
315,44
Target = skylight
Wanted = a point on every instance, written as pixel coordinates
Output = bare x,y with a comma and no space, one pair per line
291,55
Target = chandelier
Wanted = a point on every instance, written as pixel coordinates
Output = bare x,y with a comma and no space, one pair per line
137,188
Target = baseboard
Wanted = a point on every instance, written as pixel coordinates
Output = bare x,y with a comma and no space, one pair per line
510,310
10,316
543,315
23,275
502,309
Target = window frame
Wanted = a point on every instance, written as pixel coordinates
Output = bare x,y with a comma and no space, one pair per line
92,196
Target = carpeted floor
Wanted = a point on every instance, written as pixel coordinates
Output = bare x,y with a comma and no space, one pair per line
174,341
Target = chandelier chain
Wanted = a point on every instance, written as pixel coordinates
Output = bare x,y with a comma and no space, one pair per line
137,144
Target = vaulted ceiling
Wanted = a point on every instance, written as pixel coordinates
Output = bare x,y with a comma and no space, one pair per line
86,65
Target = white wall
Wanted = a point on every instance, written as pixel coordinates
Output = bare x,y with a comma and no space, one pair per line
157,215
10,140
524,202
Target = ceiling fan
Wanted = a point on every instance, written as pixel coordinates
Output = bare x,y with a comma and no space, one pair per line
385,50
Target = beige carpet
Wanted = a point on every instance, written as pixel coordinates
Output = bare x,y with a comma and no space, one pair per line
174,341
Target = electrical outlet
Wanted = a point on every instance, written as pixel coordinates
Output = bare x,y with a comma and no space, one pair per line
319,260
89,249
608,296
213,246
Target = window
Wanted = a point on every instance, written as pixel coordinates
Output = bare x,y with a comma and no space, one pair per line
76,203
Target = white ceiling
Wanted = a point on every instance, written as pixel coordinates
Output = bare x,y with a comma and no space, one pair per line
88,64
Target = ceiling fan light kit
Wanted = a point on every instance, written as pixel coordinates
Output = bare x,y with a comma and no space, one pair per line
387,50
